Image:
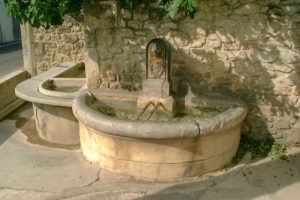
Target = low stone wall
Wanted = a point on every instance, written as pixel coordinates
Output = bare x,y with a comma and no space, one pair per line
247,48
8,99
58,44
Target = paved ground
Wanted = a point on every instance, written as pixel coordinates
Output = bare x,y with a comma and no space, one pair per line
31,169
11,59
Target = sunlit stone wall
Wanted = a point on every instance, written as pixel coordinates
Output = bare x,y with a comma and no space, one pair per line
249,49
58,44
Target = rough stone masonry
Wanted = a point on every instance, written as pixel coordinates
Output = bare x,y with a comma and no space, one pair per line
249,49
58,44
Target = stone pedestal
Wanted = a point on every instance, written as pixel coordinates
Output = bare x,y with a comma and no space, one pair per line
156,90
166,103
156,86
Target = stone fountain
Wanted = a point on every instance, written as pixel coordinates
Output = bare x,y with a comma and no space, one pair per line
149,136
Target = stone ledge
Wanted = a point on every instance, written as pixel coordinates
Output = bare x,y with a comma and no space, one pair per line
8,100
29,89
11,107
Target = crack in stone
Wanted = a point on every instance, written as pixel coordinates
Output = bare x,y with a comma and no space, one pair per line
96,180
255,185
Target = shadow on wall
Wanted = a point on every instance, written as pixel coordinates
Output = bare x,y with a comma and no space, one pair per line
264,179
249,50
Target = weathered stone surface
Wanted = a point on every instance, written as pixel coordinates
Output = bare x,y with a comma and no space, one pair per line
135,24
61,42
142,140
169,25
126,32
39,49
40,165
47,117
282,124
141,14
53,107
256,42
126,14
247,9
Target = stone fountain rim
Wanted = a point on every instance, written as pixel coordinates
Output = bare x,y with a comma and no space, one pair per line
64,95
29,90
154,129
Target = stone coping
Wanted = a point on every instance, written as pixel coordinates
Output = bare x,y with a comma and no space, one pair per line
154,129
29,89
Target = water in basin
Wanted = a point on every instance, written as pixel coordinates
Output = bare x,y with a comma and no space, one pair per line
129,111
63,88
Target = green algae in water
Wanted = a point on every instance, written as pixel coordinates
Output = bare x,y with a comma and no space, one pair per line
118,110
193,113
63,89
129,111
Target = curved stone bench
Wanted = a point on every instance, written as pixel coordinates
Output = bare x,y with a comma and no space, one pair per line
158,150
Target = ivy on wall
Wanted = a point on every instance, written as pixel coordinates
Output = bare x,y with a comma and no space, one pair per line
51,12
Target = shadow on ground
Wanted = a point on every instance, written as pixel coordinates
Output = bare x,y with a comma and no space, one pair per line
263,179
269,179
6,133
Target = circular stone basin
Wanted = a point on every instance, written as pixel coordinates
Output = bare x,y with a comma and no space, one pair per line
168,146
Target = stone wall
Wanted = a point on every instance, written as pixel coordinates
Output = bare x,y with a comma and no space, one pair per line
58,44
245,48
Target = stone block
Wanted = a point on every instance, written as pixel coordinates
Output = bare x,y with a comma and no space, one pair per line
247,9
126,14
47,37
150,25
198,42
214,44
39,49
282,68
125,32
141,14
169,25
288,56
282,123
62,30
104,38
135,24
101,14
90,38
296,18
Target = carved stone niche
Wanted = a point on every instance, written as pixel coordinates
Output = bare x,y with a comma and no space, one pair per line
157,84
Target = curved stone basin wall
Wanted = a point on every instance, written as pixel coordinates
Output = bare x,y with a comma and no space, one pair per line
158,150
54,118
56,124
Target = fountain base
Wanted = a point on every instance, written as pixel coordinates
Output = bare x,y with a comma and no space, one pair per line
157,150
160,159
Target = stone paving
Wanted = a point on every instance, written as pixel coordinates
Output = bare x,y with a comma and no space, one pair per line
32,169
